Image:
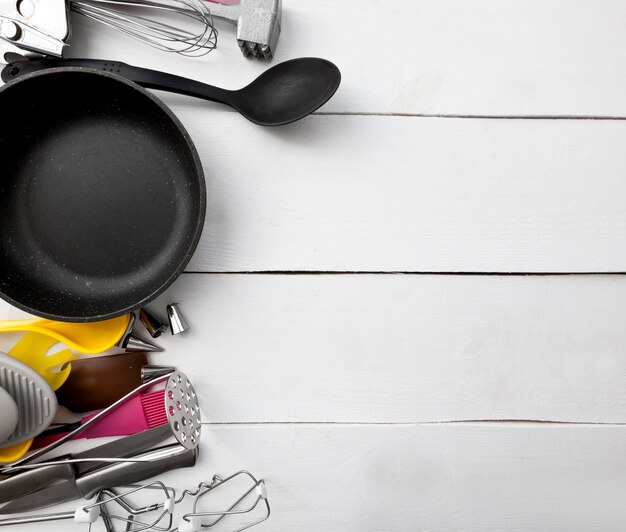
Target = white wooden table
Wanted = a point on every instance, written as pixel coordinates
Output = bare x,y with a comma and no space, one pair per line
408,310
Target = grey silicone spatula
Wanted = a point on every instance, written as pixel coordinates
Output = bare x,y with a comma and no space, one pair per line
35,400
9,416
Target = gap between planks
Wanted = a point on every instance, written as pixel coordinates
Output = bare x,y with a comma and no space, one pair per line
474,116
378,272
451,116
465,422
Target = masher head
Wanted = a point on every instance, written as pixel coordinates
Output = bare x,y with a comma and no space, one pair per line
183,410
258,27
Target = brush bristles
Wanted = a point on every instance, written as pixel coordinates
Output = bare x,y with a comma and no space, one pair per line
153,405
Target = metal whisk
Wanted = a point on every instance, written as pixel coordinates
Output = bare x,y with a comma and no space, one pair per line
189,32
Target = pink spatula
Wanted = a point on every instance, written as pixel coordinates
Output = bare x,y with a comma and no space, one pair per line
140,413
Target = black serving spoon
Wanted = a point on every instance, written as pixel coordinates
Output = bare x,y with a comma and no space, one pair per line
282,94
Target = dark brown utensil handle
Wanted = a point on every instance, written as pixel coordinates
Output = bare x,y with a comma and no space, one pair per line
97,382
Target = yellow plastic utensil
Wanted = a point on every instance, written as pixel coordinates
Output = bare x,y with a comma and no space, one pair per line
88,338
31,349
14,452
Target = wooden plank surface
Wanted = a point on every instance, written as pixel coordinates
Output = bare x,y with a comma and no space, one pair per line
398,348
353,193
514,478
483,57
345,391
479,477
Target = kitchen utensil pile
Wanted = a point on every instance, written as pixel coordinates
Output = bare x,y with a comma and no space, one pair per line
159,515
184,27
148,406
115,171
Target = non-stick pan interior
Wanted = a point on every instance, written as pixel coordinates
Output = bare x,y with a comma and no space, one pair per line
102,196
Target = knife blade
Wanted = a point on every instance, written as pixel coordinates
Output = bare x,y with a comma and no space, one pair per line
32,480
86,486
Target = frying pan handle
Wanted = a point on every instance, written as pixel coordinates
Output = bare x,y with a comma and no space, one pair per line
150,79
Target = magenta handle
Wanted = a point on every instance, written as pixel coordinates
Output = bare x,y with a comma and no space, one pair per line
128,419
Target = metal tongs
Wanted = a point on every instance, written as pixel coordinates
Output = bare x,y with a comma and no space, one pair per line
40,26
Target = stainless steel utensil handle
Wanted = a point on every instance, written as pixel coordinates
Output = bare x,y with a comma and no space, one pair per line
125,447
89,423
26,519
29,481
156,462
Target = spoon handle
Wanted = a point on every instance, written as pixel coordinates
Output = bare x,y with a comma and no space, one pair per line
150,79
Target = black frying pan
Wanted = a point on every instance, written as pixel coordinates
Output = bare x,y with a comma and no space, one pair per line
102,195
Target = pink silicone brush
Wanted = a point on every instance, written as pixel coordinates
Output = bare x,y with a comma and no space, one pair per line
143,412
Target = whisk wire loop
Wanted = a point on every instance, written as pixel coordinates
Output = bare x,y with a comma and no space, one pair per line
126,17
258,486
